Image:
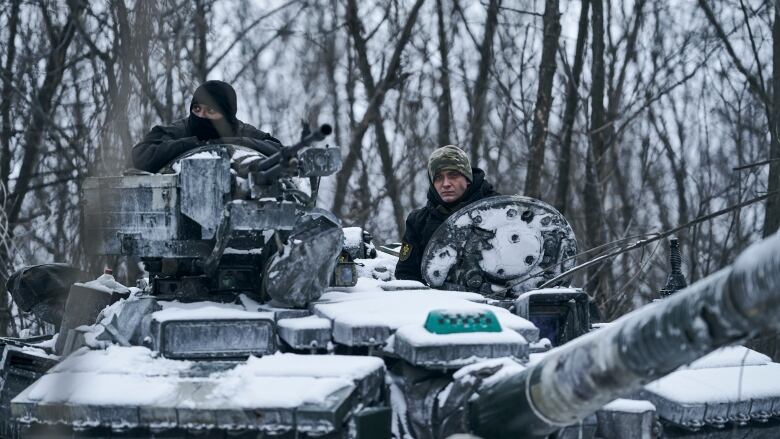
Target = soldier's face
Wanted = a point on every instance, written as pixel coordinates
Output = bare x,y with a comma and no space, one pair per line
450,185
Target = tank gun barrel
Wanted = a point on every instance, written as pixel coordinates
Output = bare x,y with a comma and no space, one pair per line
578,378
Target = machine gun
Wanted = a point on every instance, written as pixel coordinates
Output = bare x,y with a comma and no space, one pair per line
201,238
313,163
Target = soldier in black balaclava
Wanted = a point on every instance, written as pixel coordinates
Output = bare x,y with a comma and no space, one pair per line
212,117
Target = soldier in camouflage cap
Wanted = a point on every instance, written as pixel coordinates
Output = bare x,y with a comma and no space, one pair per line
454,185
450,158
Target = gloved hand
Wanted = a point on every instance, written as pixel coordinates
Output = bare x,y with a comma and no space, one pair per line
265,147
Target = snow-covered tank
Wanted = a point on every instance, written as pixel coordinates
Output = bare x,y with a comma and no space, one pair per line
255,324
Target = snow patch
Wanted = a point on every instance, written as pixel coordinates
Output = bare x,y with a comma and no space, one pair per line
353,236
629,406
417,335
439,266
316,366
394,309
379,268
310,322
504,368
132,360
722,384
206,311
133,376
235,390
728,357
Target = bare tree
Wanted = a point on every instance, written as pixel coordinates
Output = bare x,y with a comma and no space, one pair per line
445,99
569,115
760,89
594,216
544,98
41,111
478,109
372,113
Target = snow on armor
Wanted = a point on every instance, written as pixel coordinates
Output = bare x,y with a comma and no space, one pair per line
500,247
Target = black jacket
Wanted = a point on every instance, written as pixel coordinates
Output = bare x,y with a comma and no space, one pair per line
164,143
422,223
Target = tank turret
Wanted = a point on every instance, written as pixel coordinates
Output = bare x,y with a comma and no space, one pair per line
475,360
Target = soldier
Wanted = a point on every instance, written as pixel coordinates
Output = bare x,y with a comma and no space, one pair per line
212,116
454,184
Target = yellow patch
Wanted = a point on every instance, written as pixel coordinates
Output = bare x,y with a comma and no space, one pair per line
406,250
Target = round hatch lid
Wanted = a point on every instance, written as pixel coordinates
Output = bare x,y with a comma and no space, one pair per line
500,247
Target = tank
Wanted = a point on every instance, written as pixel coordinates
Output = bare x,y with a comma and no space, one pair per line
262,317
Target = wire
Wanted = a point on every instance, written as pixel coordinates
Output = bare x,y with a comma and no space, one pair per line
662,235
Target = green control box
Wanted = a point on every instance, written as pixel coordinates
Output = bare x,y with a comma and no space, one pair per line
451,322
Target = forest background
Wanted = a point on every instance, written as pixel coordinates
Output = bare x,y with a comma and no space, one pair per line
630,117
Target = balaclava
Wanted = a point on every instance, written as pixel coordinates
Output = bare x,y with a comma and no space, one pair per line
221,96
449,158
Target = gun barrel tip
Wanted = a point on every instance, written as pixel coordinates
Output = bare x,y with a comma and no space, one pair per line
326,129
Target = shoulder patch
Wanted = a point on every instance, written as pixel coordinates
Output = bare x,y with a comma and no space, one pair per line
406,250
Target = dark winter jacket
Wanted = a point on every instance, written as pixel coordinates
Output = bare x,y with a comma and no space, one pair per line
422,223
165,143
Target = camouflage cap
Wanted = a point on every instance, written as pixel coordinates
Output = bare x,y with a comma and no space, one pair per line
449,158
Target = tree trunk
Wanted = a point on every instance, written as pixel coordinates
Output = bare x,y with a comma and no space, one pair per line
331,65
200,55
388,170
769,342
375,100
594,217
570,112
756,86
445,99
772,218
552,30
612,136
478,110
41,110
6,99
120,122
